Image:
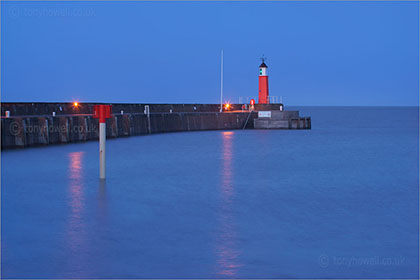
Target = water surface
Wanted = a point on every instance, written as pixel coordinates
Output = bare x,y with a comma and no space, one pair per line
340,201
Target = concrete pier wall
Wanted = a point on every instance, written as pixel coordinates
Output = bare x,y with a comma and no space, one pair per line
284,115
292,123
28,131
282,120
33,124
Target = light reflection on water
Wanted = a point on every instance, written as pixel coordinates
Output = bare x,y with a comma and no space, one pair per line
226,250
76,226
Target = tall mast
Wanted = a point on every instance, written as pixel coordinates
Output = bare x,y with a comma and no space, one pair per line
221,82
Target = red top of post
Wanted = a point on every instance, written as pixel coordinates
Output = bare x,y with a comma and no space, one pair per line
102,112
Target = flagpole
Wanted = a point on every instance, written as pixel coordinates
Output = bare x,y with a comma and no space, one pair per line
221,82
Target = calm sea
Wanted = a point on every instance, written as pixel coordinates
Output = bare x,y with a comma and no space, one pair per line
338,201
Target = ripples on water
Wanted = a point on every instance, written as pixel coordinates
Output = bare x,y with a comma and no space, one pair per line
340,200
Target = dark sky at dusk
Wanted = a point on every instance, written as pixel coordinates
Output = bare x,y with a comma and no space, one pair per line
318,53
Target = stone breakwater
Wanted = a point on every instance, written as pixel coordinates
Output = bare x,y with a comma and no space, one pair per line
22,132
40,124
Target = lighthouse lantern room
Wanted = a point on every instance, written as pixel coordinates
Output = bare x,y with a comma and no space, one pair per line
263,84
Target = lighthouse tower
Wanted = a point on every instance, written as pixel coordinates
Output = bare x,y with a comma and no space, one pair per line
263,84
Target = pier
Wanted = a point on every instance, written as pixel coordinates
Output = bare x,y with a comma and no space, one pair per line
38,124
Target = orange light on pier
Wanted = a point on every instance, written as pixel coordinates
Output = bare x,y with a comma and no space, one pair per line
227,106
76,104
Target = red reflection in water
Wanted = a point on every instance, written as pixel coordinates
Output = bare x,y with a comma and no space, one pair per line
227,252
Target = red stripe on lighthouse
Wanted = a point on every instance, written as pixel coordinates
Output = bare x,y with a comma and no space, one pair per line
263,90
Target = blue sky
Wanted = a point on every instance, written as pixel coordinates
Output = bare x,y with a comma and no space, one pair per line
318,53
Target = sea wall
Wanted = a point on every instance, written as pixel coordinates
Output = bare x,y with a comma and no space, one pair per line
27,131
274,123
282,120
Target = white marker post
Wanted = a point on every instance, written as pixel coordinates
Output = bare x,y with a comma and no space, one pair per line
102,142
102,112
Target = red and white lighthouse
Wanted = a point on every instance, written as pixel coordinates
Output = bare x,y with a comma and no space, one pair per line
263,84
